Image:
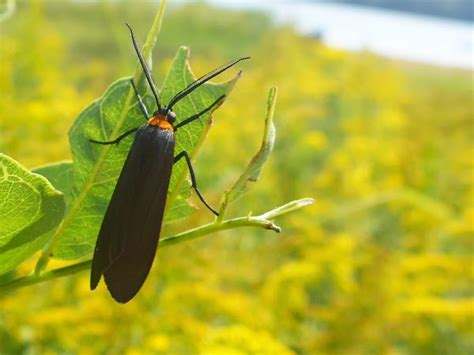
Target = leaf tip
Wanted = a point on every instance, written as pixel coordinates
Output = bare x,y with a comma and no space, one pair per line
185,50
306,201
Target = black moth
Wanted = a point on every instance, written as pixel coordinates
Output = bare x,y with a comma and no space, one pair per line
130,231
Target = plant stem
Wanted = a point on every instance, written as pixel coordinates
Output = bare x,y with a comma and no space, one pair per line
45,276
216,226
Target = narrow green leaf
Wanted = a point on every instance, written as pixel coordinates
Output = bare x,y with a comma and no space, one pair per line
268,141
30,209
287,208
255,166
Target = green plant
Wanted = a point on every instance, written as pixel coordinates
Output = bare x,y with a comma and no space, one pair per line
82,188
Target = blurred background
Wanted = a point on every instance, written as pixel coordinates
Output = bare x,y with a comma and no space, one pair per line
374,120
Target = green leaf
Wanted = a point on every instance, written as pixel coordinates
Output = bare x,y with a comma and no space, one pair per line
30,209
180,208
59,174
96,167
254,168
190,137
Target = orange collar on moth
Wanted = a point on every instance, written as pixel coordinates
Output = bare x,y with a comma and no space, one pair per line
161,122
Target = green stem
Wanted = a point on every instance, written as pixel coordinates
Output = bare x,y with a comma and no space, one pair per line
45,276
216,226
219,226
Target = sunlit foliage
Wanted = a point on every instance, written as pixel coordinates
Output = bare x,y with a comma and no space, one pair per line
381,264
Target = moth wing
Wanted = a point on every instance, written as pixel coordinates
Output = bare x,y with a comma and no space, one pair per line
130,231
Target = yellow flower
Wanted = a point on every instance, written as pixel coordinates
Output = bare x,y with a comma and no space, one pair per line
315,140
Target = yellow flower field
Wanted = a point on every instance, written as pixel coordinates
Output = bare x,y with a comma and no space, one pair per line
381,264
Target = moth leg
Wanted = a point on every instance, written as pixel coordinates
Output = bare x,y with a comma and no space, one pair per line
116,140
140,101
185,155
197,115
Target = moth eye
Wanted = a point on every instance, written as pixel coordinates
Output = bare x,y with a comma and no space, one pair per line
171,117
